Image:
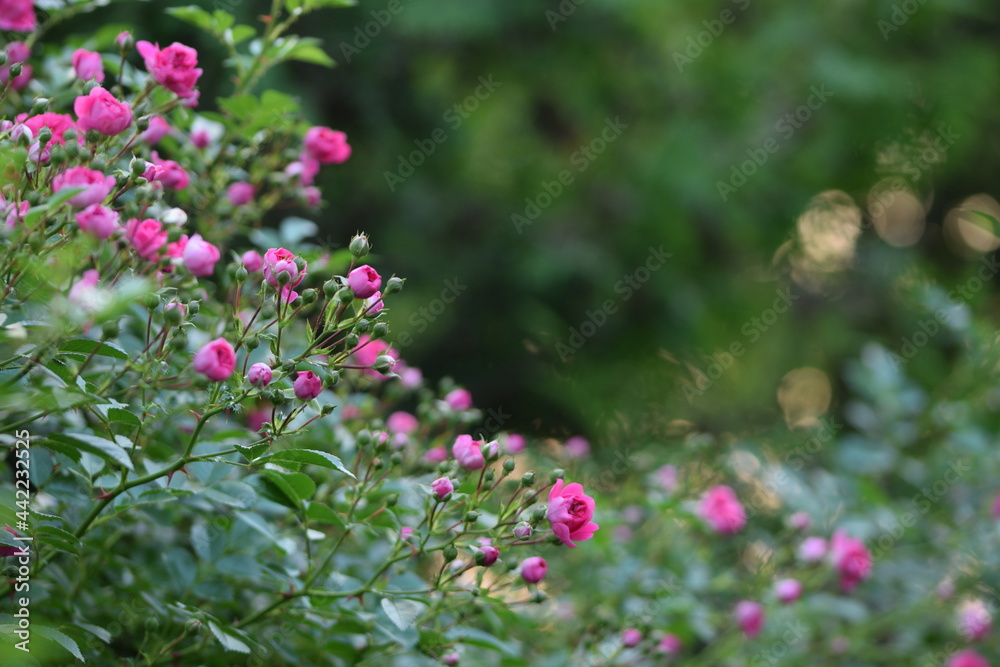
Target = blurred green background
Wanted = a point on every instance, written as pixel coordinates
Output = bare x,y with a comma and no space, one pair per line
698,90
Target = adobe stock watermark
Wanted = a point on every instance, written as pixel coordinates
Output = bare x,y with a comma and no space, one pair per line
697,43
597,318
900,14
454,116
363,35
420,320
581,160
785,128
565,9
643,617
752,330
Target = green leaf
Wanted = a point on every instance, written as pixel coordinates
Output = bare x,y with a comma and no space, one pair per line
123,416
310,456
307,50
229,641
402,612
64,443
87,346
241,33
196,16
476,637
61,639
222,21
251,453
294,486
323,514
98,632
58,539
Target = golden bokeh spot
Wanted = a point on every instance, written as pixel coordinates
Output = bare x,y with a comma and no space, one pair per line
971,228
804,395
828,232
896,213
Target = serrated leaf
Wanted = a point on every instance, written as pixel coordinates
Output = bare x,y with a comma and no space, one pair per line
98,632
194,15
307,50
61,639
312,457
96,347
295,486
402,612
123,416
324,514
106,449
228,641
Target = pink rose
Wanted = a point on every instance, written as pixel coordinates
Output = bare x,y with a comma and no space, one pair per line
278,260
750,617
123,39
409,377
98,220
812,549
216,360
513,443
88,65
402,422
305,168
851,558
577,447
167,172
364,281
436,454
670,644
96,185
490,554
12,213
458,399
312,195
450,659
441,487
101,111
327,146
533,569
200,256
968,658
146,236
522,531
631,637
367,353
175,67
17,52
800,521
252,261
468,453
974,620
57,123
570,513
84,293
257,417
722,510
307,386
201,138
259,375
788,590
17,15
240,193
158,128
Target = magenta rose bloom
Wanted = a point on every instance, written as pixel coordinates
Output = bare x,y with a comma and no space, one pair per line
458,399
259,375
17,52
812,549
146,236
788,590
200,256
252,261
277,260
96,185
974,620
670,644
101,111
88,65
533,569
17,15
441,487
968,658
513,443
490,555
307,385
98,220
720,508
364,281
750,617
216,360
631,637
158,128
327,146
240,193
851,559
401,422
175,67
468,453
570,513
167,172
